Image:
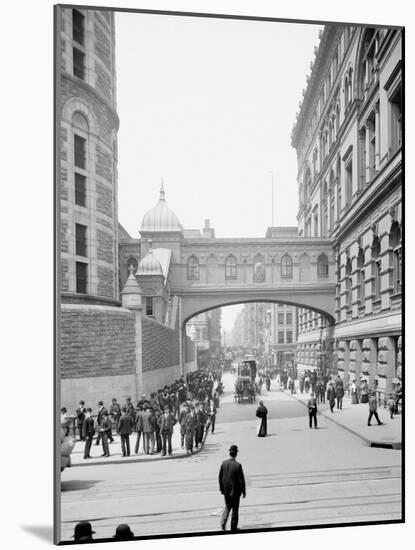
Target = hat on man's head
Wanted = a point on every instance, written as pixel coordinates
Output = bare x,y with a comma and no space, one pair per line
100,402
233,449
123,532
83,530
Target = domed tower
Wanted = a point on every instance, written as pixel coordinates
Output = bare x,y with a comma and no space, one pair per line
87,175
161,226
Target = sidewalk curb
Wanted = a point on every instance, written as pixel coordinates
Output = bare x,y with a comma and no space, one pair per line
120,460
396,445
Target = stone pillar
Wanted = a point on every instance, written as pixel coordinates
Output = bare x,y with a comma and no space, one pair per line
399,360
131,299
386,366
343,361
377,137
369,360
367,153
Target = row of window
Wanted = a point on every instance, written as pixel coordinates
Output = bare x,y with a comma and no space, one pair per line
288,319
285,337
231,269
78,49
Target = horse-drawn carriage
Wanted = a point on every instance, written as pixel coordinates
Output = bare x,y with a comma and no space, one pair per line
245,387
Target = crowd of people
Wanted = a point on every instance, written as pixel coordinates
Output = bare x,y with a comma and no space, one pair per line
191,403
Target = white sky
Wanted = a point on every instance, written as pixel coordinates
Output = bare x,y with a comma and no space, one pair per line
209,105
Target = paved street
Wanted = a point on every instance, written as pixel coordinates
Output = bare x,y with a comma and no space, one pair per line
296,476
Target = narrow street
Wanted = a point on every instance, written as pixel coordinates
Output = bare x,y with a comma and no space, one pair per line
295,476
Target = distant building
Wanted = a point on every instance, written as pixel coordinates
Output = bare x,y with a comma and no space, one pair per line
348,138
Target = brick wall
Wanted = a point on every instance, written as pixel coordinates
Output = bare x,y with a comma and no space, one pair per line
105,281
103,163
96,341
160,345
104,250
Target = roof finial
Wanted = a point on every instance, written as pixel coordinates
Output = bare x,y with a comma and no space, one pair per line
162,193
150,246
131,270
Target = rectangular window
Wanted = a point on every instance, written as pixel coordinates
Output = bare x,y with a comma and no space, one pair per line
397,270
79,151
280,336
149,305
78,27
396,120
362,287
377,280
289,318
349,183
80,237
280,318
289,336
80,189
81,277
78,63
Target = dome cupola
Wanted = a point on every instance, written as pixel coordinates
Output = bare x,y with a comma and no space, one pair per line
160,218
149,265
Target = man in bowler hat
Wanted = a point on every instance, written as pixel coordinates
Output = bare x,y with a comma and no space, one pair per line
125,428
88,433
232,486
83,532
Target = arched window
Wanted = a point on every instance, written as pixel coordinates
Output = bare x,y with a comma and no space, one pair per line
396,245
193,273
286,267
259,268
231,270
322,266
132,262
376,266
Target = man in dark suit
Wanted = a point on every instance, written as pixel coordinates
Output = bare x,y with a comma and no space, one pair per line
80,417
104,428
232,486
189,429
166,422
200,424
101,411
88,432
125,428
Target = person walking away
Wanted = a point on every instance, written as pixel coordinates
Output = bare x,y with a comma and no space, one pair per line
331,396
105,426
373,409
312,410
231,486
166,423
88,432
261,413
148,430
80,417
200,424
125,428
353,389
391,405
138,428
339,393
211,414
190,426
322,390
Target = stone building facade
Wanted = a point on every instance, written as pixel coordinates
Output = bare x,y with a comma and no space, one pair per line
348,138
103,350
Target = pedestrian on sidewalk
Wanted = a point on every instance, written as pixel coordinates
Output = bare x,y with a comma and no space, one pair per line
339,392
166,424
190,426
115,412
331,396
312,410
138,428
353,390
103,430
364,391
80,417
200,424
391,405
231,486
261,413
125,428
182,421
88,432
373,406
211,416
101,411
148,430
157,435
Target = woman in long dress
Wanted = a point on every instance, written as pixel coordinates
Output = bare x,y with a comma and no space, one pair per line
261,413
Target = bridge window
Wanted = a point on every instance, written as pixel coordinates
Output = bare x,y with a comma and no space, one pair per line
323,266
231,270
286,267
193,272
